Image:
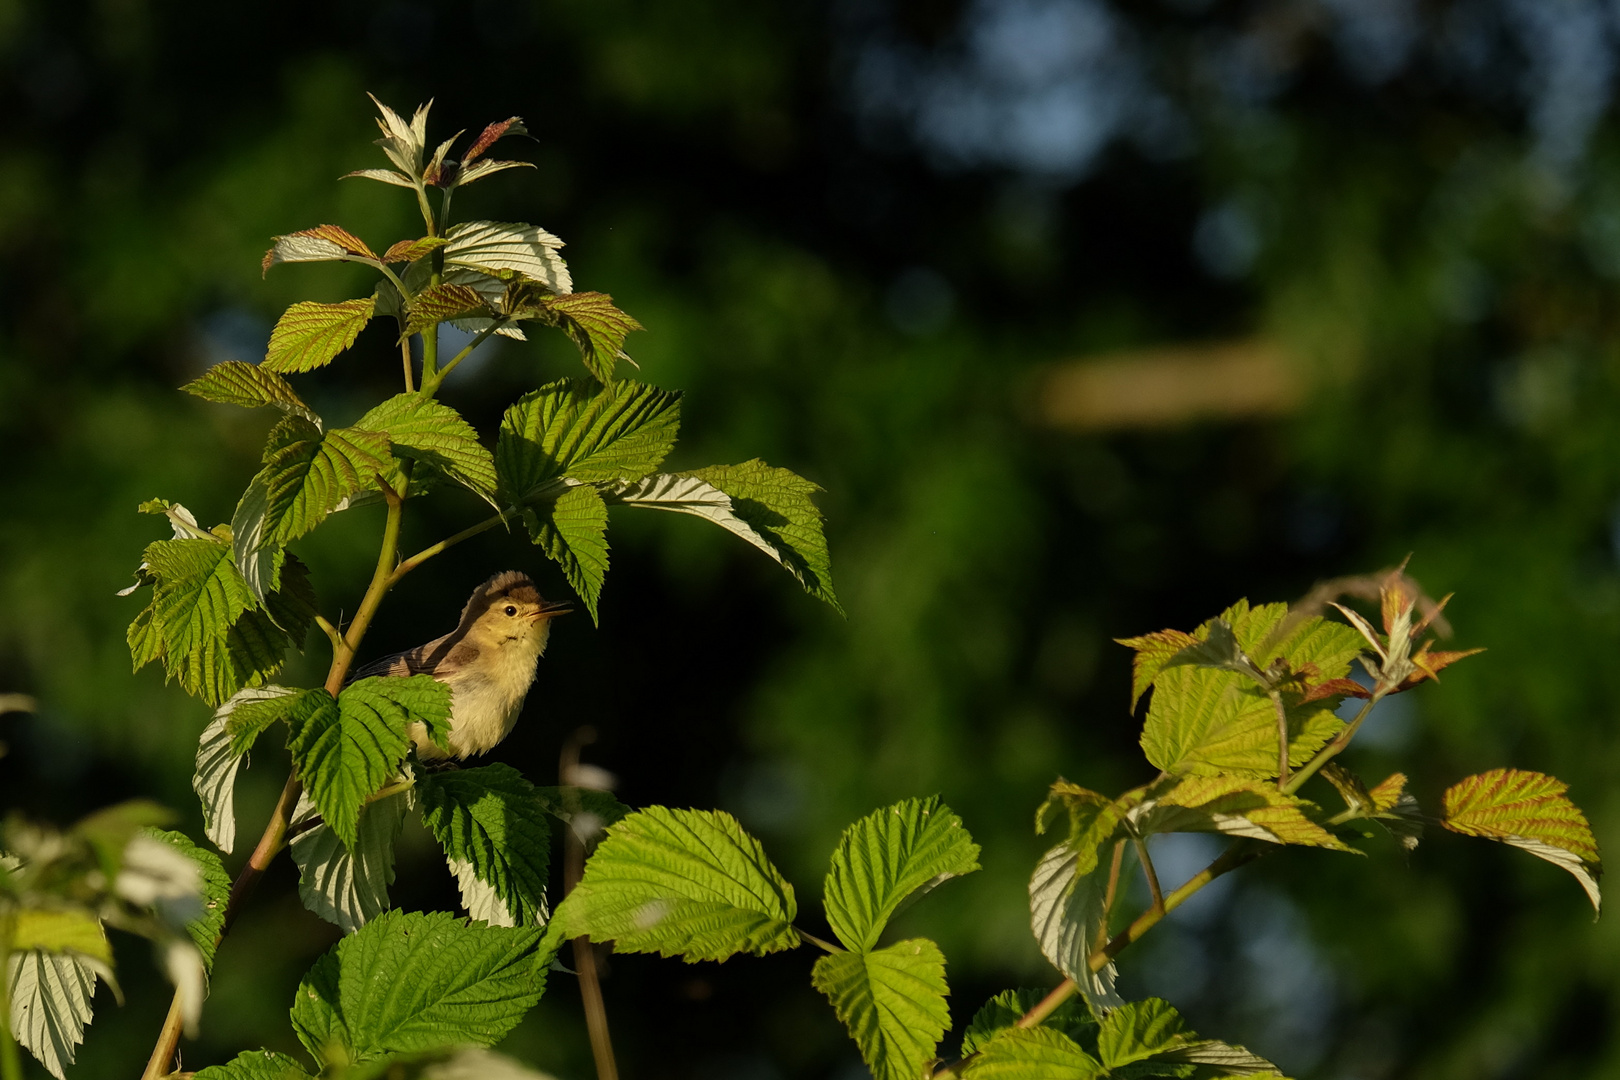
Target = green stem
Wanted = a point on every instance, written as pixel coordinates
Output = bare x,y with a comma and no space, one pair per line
405,358
429,385
404,293
1332,749
811,939
427,210
1148,872
1229,860
427,553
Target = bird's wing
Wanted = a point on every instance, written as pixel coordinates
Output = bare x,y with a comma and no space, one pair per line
442,658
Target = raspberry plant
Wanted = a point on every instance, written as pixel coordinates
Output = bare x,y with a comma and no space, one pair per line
1242,715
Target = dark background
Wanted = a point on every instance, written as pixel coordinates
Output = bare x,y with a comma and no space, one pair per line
861,236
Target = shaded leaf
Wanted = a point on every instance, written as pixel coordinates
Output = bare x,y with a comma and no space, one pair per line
582,430
1530,811
310,335
1068,917
491,820
1005,1010
232,382
683,883
347,884
205,929
255,1065
440,302
51,996
887,859
892,1001
572,531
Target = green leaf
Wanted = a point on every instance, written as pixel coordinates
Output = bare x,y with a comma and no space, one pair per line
307,473
494,246
1153,651
587,432
233,382
490,820
198,596
1003,1011
346,748
408,251
1037,1053
411,982
347,885
1139,1030
323,243
400,701
438,303
58,930
595,325
888,859
427,430
1236,805
206,928
684,883
1530,811
218,762
1094,820
255,1065
51,996
572,531
1206,720
310,335
770,508
1068,917
893,1002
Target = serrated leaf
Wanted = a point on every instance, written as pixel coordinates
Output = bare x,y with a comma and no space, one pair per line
232,382
255,1065
408,251
437,303
1235,805
1530,811
307,473
1213,1057
346,748
1398,811
1208,721
1067,916
1139,1030
1036,1053
572,531
1005,1010
310,335
58,930
493,246
584,431
427,430
595,326
770,508
887,859
386,176
324,243
686,883
206,928
402,142
493,133
412,982
491,820
51,996
1153,651
892,1001
347,885
1094,819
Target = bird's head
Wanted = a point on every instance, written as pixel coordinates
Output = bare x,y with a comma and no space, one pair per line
507,611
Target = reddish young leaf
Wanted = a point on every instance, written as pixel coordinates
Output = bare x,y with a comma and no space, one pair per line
411,250
323,243
512,125
1530,811
1334,688
437,303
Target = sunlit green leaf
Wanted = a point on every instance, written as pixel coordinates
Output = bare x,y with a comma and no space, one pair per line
887,859
427,430
255,1065
347,884
572,531
323,243
684,883
584,431
1005,1010
490,820
1036,1053
1236,805
310,335
893,1002
437,303
233,382
307,473
493,246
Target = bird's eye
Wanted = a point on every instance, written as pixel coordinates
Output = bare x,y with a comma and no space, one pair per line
510,610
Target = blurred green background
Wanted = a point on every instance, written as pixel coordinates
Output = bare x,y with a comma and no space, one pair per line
1090,316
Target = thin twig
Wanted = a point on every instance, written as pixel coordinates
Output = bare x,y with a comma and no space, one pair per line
1151,874
590,985
430,385
405,357
1333,748
811,939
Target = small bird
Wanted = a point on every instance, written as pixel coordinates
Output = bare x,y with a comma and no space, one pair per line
488,661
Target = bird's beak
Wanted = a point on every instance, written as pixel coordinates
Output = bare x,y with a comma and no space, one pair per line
550,609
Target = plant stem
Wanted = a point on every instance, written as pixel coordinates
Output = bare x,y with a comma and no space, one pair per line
1282,739
427,553
590,986
429,385
1049,1004
1332,749
1148,872
811,939
405,357
275,836
1110,893
1229,860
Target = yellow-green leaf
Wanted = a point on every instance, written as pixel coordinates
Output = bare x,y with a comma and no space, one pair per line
1528,810
892,1001
1236,805
64,930
309,335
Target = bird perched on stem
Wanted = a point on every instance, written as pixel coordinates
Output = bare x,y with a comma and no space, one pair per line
488,661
